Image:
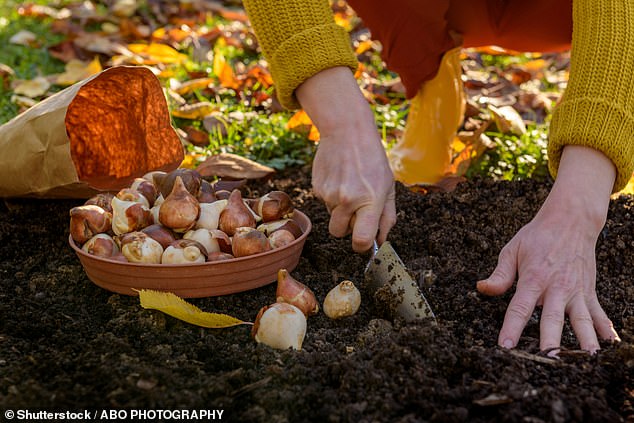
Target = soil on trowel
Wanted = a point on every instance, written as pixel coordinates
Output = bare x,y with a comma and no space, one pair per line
67,344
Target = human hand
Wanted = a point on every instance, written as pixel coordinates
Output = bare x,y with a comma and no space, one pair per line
351,173
554,260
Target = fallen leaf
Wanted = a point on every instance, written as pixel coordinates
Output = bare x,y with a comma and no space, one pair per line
229,165
193,85
507,120
194,111
154,53
35,87
224,72
300,122
23,38
175,306
76,71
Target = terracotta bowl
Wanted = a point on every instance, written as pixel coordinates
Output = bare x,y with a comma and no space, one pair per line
196,280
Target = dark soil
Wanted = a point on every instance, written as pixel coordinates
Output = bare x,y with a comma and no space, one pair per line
66,344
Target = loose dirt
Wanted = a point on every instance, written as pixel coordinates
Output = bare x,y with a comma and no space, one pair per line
66,344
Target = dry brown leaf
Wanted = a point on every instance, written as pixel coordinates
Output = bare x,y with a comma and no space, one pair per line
229,165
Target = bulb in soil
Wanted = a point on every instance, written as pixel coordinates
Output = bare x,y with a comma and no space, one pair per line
291,291
280,326
343,300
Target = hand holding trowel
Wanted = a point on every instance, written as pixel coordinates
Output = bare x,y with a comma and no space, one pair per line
388,281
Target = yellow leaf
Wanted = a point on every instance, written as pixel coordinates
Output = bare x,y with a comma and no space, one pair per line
299,119
363,47
224,72
175,306
76,70
33,88
194,111
157,53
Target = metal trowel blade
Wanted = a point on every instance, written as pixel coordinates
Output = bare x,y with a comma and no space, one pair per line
386,269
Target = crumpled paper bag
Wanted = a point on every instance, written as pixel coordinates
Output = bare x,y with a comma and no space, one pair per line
96,135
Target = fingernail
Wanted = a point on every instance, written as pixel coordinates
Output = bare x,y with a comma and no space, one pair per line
508,343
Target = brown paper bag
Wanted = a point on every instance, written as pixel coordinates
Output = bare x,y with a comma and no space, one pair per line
97,135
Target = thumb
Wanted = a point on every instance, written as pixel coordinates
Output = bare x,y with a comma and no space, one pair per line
503,276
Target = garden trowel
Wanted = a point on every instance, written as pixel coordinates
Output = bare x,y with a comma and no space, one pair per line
389,283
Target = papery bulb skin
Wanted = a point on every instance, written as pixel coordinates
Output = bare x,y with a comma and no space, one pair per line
184,251
206,193
152,174
274,205
290,290
235,215
146,188
281,238
101,245
87,221
138,247
212,239
210,214
343,300
103,200
248,241
280,326
283,224
129,194
160,233
129,216
180,210
190,178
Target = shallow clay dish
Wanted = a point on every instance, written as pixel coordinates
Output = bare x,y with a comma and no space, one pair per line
196,280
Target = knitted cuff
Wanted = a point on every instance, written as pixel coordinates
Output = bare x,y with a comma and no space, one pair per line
313,50
594,122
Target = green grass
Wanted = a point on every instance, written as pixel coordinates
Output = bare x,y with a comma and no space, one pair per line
261,134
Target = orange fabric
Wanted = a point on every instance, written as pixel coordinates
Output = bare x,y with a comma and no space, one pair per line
416,33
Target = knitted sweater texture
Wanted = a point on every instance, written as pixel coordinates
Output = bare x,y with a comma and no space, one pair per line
299,39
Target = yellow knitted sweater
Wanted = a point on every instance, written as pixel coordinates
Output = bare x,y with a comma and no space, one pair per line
299,39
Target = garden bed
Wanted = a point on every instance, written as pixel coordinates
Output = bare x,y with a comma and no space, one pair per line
66,344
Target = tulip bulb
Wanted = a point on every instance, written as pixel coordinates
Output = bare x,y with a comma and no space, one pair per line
286,224
103,200
138,247
160,233
101,245
87,221
275,205
180,210
281,238
212,239
129,216
235,214
206,192
129,194
190,178
219,256
210,214
249,241
343,300
146,188
280,326
184,251
291,291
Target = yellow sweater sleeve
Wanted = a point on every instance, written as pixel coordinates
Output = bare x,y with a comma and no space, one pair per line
597,108
299,38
